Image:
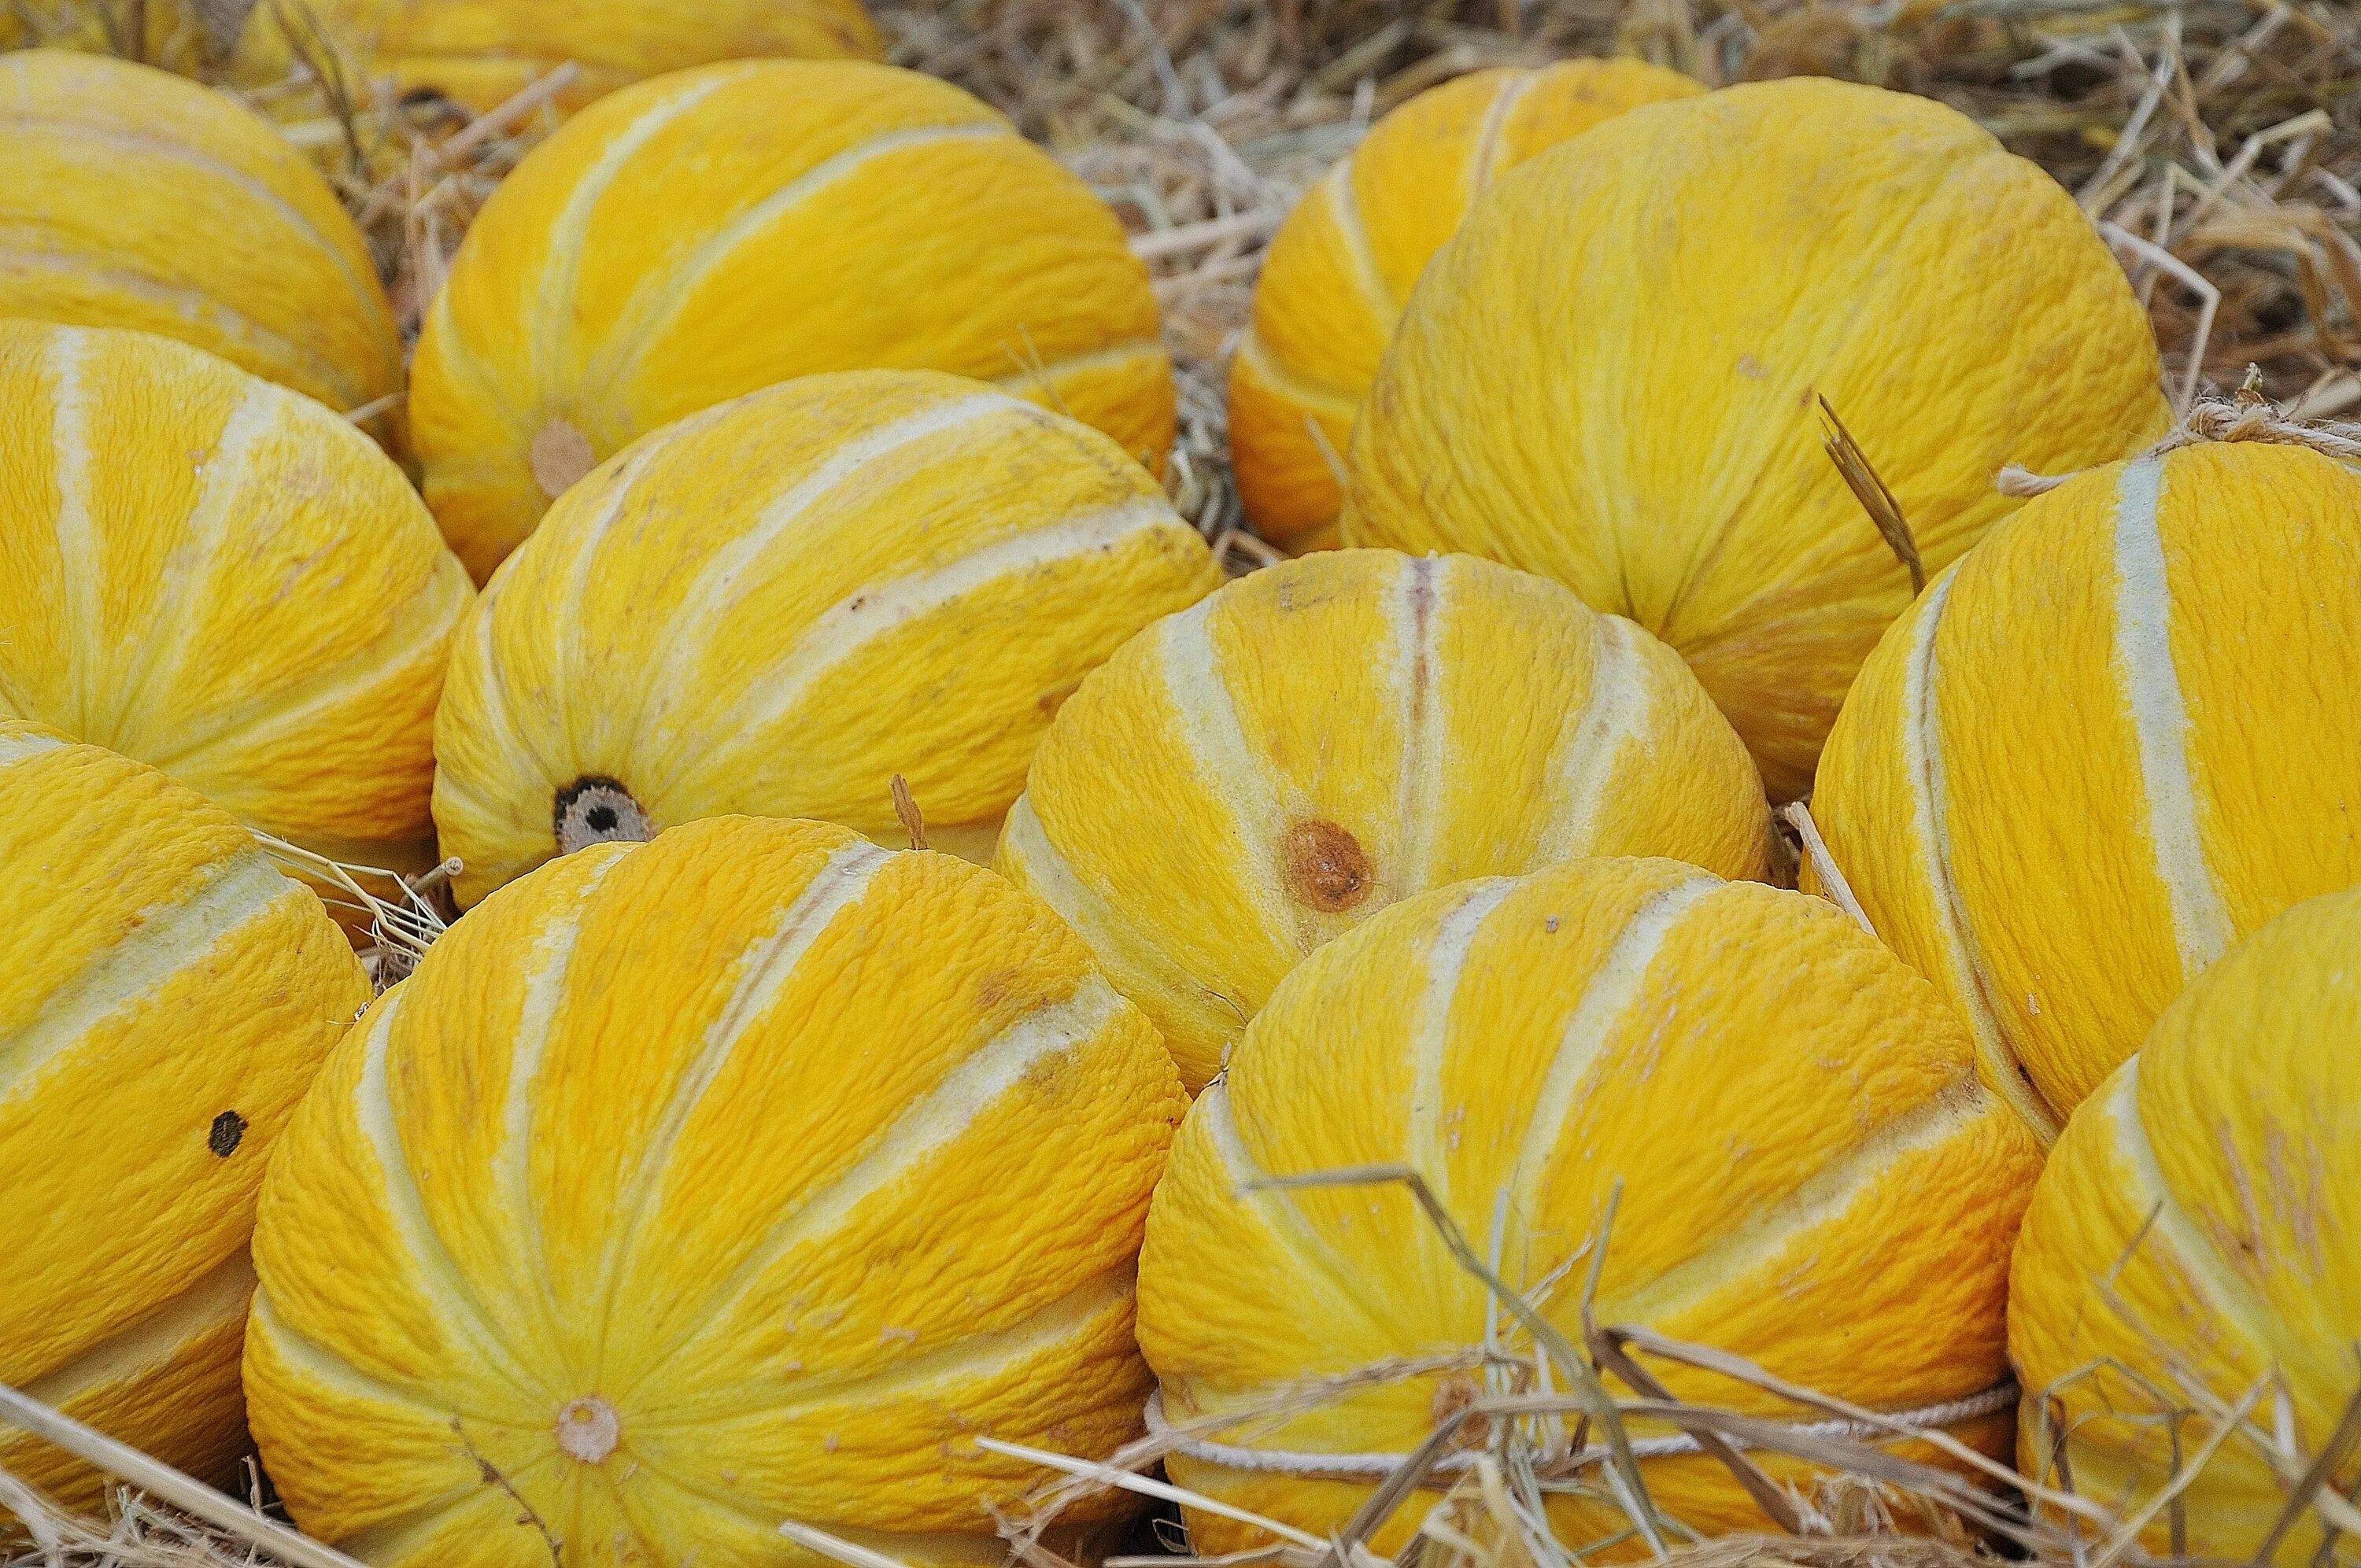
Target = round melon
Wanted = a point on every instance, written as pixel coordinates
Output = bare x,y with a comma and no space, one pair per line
710,232
132,197
220,577
1262,772
1343,264
478,53
2197,1233
1803,1171
166,996
2110,742
1613,374
693,1187
777,606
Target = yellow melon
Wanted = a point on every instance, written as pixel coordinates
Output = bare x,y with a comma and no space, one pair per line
693,1187
2111,740
165,999
479,52
1343,264
776,606
1256,775
2195,1237
130,198
222,578
714,231
1612,375
1810,1177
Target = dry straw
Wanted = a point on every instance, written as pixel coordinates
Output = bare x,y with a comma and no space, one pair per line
401,915
2246,415
2216,142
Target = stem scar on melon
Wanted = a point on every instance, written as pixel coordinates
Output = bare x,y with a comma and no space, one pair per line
595,810
560,455
589,1430
1453,1395
1326,867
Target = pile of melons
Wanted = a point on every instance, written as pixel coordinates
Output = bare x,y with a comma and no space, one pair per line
775,479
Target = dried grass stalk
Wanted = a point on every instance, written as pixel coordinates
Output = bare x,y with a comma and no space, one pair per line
228,1525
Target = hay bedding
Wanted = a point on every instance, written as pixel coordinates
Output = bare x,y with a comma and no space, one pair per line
2218,142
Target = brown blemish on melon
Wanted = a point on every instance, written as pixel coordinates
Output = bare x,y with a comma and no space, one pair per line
1324,866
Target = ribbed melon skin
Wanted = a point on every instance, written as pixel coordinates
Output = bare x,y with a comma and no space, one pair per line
778,605
1344,263
1612,375
1262,772
805,1159
709,232
219,576
2107,744
2199,1226
166,996
132,197
1805,1169
479,52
